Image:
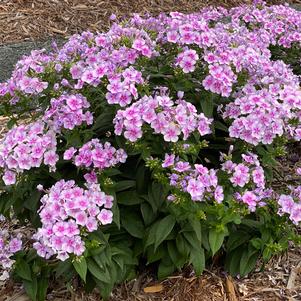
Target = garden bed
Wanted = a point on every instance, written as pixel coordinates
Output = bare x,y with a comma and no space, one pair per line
280,280
40,19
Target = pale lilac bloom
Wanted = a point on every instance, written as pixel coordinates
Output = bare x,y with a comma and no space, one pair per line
9,177
169,160
67,213
105,217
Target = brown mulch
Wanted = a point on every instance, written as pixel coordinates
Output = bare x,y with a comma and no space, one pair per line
280,281
22,20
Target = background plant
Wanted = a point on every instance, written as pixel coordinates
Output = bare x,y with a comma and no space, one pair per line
153,144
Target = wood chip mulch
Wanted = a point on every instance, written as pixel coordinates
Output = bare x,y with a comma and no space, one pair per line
22,20
280,281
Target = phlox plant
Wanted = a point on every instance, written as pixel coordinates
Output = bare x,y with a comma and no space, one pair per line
152,144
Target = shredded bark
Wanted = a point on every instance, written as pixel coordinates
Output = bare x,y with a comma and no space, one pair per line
22,20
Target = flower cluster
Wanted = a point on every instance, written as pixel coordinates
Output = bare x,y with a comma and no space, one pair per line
25,147
107,61
187,60
122,87
21,83
96,155
228,53
31,85
67,112
277,24
165,116
220,79
261,115
198,181
68,212
9,245
230,48
291,204
237,55
249,178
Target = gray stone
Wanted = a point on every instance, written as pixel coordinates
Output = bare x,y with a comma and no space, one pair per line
11,53
296,6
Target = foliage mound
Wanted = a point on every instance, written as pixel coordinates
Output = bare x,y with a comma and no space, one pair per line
154,143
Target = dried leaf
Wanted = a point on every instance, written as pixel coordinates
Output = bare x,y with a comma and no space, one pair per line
153,289
230,289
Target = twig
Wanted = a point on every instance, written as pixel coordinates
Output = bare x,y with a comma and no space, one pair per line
292,277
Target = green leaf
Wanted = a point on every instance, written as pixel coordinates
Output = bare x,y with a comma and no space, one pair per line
31,288
205,239
256,243
63,267
112,172
104,258
11,123
155,255
182,85
90,283
216,239
97,272
32,200
23,269
207,105
141,180
156,196
113,272
231,217
251,223
165,269
42,288
132,222
119,260
182,245
248,261
164,228
151,234
191,237
177,259
267,254
74,139
196,226
266,235
197,258
129,198
116,214
80,266
105,289
236,239
124,185
103,121
233,260
126,253
147,213
221,126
